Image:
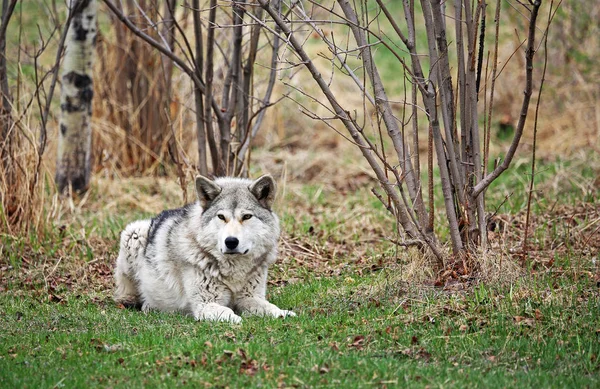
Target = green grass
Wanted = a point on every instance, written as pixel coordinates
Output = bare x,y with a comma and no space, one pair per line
345,336
357,325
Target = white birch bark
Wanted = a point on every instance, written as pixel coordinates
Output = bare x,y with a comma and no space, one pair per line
73,163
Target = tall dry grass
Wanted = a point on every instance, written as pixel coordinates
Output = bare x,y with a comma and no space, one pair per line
24,200
135,99
26,184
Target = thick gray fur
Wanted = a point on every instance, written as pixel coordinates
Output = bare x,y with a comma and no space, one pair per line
181,261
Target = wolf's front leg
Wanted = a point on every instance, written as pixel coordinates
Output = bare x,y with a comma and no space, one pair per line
207,298
215,312
133,243
251,299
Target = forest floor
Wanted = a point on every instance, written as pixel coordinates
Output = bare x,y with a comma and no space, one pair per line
370,314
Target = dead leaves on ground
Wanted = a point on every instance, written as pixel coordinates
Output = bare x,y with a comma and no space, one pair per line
326,252
65,270
358,342
247,365
528,320
418,353
101,346
323,369
561,229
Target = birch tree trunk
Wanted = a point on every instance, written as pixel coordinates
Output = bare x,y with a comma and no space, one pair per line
73,163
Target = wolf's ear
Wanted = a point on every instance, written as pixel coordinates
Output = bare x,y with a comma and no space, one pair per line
207,190
264,189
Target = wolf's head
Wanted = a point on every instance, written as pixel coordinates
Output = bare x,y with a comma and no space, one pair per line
237,219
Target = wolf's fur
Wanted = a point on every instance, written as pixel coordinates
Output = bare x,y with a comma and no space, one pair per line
185,259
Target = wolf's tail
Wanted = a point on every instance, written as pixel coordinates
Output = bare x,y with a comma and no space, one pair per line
133,244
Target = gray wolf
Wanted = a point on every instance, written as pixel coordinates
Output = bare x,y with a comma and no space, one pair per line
208,259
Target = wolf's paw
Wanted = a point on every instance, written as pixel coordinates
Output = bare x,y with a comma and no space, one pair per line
232,318
261,307
283,313
214,312
146,307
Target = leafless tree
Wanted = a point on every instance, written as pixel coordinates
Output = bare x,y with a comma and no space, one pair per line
219,58
73,165
444,90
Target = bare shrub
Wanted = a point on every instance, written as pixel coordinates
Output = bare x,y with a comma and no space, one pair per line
439,49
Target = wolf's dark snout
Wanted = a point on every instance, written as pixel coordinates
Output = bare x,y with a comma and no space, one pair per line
231,242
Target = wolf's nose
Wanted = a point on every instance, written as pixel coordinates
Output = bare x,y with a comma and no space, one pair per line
231,242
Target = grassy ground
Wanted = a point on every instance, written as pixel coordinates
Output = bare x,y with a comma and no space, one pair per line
368,332
368,314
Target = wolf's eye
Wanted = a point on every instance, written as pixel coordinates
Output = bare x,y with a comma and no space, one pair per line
247,217
221,217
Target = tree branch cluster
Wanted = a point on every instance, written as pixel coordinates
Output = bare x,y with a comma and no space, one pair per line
447,90
228,110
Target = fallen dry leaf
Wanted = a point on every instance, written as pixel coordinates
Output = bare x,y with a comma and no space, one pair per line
523,320
538,315
358,342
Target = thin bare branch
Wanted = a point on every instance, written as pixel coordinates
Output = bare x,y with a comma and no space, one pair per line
232,87
442,158
385,109
529,53
535,127
251,133
215,154
200,120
